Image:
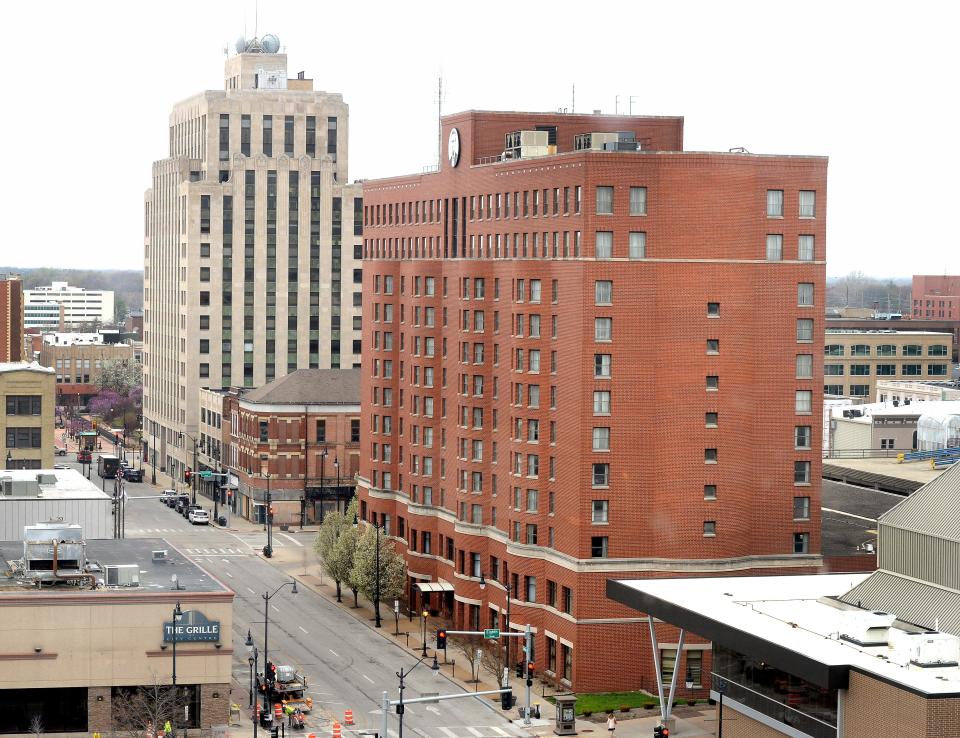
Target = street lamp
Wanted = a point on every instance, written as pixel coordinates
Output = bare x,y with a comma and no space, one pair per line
424,625
193,476
177,614
483,585
266,624
434,667
323,465
153,448
252,660
268,549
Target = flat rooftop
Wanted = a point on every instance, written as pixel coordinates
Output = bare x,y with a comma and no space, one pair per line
794,623
155,576
69,485
912,471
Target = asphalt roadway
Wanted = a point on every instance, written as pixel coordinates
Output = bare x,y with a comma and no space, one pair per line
348,666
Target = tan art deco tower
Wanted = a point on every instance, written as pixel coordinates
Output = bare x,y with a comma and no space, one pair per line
252,244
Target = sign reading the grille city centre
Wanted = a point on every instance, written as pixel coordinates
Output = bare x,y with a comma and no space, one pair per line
192,626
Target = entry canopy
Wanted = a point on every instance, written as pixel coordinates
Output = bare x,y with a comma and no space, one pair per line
434,587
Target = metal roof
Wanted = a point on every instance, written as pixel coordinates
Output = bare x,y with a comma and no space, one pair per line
911,600
310,386
934,509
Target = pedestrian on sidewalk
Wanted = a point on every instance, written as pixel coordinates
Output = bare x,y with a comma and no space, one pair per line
611,724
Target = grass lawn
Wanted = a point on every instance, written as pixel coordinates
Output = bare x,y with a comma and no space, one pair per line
613,701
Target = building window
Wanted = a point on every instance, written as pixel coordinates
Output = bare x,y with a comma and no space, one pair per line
601,439
709,528
603,292
801,543
355,430
638,201
859,370
833,349
937,350
601,475
713,309
598,547
859,390
530,588
600,511
694,667
264,431
801,472
604,245
804,366
713,345
936,370
804,330
603,329
711,419
912,370
836,370
860,349
710,456
801,508
805,294
24,438
805,248
912,349
774,203
604,200
709,491
601,402
321,430
803,402
774,247
802,436
24,404
601,366
808,203
638,245
712,383
833,389
885,370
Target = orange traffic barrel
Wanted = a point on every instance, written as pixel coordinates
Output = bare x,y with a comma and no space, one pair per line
277,710
337,730
348,717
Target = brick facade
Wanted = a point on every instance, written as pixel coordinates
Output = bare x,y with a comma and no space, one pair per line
880,710
471,230
936,297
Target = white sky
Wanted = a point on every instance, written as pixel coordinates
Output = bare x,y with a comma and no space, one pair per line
871,85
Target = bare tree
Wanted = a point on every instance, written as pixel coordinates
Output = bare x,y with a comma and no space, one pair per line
140,711
469,649
493,660
36,725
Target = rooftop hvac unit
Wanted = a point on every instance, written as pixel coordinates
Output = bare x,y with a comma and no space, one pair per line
123,575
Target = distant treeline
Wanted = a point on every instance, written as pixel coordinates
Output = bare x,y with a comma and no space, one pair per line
127,284
860,291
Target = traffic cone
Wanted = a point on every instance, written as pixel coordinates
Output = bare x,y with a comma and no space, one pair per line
337,730
348,717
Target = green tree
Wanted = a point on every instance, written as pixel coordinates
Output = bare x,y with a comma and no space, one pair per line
393,570
336,560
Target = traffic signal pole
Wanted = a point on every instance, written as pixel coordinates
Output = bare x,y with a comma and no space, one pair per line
528,666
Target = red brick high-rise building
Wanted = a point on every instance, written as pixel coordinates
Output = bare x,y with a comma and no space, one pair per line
936,297
11,318
588,354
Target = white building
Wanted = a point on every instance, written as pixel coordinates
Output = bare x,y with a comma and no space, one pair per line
45,315
79,305
30,496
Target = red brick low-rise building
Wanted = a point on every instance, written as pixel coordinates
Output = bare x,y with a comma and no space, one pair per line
301,435
590,354
936,297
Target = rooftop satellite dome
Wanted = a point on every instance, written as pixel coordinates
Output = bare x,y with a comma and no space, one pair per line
270,43
241,45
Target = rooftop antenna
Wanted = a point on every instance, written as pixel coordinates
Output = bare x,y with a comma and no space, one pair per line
256,16
573,98
632,98
439,114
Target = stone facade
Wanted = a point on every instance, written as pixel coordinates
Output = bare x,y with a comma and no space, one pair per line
252,245
27,391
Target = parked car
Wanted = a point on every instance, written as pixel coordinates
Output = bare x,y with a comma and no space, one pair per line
166,496
84,457
182,503
188,509
199,516
132,475
60,451
61,466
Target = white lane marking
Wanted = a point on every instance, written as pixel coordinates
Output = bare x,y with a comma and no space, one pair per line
333,652
849,515
229,574
499,731
392,733
420,733
275,608
291,538
448,732
434,710
225,561
365,677
478,733
250,591
303,629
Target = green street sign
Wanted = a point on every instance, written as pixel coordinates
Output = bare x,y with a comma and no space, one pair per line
491,633
206,474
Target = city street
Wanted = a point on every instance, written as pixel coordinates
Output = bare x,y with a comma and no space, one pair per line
348,666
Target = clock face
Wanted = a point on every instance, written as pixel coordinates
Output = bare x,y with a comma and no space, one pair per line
453,147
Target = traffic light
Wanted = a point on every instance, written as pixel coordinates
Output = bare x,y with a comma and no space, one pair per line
506,700
530,670
270,673
519,668
442,639
187,474
661,731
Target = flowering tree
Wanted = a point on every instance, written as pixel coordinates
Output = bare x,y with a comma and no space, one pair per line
393,570
121,394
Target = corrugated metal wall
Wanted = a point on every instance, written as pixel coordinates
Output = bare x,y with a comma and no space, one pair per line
93,515
917,555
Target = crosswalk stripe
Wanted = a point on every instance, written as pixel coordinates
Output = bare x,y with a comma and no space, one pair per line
448,732
499,731
478,733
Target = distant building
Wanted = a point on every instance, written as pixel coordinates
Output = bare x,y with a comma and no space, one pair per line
906,324
936,297
855,359
79,306
903,391
27,422
11,318
79,363
46,316
303,432
886,426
